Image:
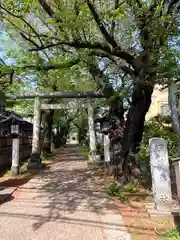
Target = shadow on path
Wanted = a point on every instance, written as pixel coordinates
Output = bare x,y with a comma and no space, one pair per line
67,196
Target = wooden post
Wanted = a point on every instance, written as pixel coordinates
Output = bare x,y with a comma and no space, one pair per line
92,137
35,155
15,156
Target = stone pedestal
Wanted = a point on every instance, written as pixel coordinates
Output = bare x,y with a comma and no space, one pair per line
92,136
176,165
161,184
92,157
15,156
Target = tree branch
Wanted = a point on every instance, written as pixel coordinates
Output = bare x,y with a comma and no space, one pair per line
53,66
25,22
113,25
127,70
172,4
139,3
46,8
11,76
101,26
103,55
50,12
29,40
78,44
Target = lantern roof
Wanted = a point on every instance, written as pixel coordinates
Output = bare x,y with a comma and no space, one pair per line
9,117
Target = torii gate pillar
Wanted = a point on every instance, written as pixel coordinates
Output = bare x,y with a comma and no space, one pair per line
92,136
35,158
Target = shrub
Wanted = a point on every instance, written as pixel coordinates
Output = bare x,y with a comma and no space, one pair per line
100,149
131,187
173,234
158,127
113,190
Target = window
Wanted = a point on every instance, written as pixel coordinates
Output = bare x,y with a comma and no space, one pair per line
165,110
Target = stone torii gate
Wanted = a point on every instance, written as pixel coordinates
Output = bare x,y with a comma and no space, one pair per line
34,160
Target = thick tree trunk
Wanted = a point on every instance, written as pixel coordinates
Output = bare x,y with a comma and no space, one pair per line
127,165
125,137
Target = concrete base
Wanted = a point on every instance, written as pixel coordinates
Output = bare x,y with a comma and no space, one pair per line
35,157
15,170
153,212
35,165
91,158
35,161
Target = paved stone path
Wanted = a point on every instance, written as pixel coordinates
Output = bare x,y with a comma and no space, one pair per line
61,203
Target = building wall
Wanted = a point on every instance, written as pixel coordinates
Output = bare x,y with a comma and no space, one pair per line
159,104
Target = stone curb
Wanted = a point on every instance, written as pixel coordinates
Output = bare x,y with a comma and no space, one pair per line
5,193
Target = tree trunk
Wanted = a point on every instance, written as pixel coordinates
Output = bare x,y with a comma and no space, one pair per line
127,165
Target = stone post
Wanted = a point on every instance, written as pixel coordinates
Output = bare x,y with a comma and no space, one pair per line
173,107
161,183
36,151
15,156
176,165
106,148
92,136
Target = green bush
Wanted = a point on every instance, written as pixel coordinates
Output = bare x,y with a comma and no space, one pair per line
173,234
158,127
99,149
113,190
131,187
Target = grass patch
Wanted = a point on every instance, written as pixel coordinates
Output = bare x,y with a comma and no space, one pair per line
84,151
24,172
173,234
4,171
46,156
113,190
131,187
9,180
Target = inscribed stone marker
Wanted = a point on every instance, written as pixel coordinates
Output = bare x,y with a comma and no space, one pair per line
161,184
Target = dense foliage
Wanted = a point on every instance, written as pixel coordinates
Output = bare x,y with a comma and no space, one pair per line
161,127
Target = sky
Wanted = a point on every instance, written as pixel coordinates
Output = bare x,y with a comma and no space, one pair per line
3,46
